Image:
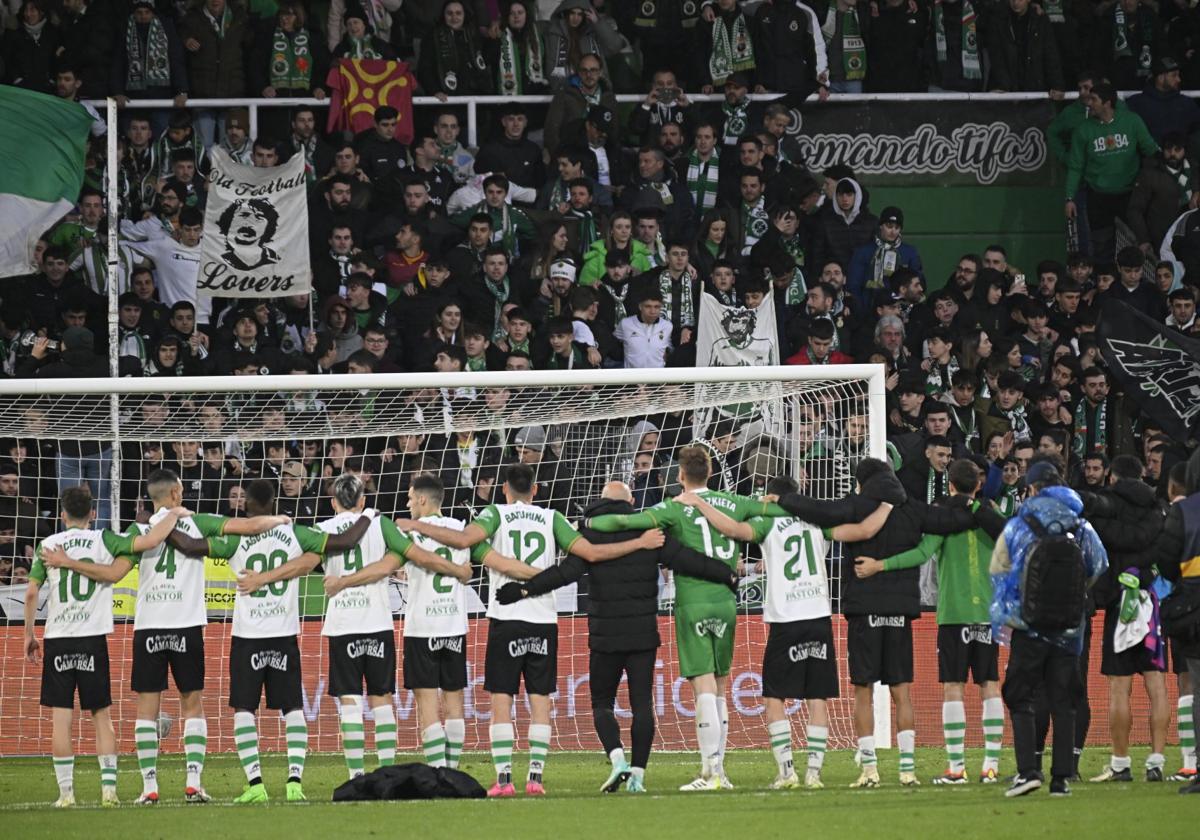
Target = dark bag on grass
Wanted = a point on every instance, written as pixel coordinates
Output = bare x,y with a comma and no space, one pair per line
409,781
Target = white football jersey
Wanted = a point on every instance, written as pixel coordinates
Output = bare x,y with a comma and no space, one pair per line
273,610
437,605
794,558
77,605
171,585
528,533
356,610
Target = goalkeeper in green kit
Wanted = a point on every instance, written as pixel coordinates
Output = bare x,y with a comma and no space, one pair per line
705,613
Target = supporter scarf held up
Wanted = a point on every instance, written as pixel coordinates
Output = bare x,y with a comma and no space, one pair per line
854,48
1122,45
732,49
456,52
1084,415
736,120
702,178
970,38
522,59
884,263
686,303
148,66
499,291
291,61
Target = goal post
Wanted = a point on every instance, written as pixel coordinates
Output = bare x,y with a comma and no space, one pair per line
578,429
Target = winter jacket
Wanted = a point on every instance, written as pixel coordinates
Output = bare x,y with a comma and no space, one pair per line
623,593
895,53
593,261
1128,518
860,273
519,160
1155,203
1164,113
1037,67
217,69
568,109
118,77
840,234
30,63
785,48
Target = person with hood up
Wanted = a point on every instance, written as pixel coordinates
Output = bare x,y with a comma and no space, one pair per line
574,32
843,224
338,323
360,40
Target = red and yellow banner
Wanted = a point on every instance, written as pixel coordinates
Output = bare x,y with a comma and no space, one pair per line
360,85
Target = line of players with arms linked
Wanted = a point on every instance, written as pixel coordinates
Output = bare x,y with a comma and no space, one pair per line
698,535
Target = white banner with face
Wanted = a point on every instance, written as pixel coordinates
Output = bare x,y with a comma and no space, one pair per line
255,241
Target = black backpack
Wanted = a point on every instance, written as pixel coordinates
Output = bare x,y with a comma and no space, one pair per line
1054,581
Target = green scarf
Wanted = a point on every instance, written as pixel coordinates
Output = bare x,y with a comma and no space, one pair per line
1009,501
476,363
1122,48
219,26
736,120
702,179
522,58
755,224
151,67
732,49
797,291
687,305
1054,10
938,380
291,62
936,486
618,298
970,39
589,232
1079,447
884,263
361,47
854,48
500,293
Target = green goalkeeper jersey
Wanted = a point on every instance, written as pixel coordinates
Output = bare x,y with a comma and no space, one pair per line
688,525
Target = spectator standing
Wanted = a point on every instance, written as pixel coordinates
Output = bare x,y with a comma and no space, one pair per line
571,102
575,32
30,51
512,153
1041,660
518,54
1162,105
844,28
359,39
791,50
148,62
875,262
896,51
376,14
1023,51
216,37
954,54
730,45
1165,187
1105,157
1128,40
286,59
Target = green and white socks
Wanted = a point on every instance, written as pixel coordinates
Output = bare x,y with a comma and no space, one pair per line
866,751
245,738
954,731
108,775
352,738
456,733
385,734
145,741
817,736
708,734
993,733
433,743
297,743
906,740
539,749
1187,732
723,711
502,735
64,774
195,745
780,733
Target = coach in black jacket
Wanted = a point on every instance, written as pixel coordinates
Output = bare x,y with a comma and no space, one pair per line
622,624
879,610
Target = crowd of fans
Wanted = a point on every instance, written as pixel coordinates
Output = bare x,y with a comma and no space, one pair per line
588,244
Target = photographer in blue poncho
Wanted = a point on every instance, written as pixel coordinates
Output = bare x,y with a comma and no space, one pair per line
1042,567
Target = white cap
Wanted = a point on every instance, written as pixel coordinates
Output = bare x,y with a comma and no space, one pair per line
563,268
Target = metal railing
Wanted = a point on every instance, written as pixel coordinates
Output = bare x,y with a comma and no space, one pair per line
472,103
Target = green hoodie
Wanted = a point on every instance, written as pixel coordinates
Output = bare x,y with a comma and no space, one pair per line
1107,156
593,261
964,583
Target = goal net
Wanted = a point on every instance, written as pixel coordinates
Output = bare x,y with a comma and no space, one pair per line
578,429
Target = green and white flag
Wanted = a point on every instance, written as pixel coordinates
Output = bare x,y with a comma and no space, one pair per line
43,142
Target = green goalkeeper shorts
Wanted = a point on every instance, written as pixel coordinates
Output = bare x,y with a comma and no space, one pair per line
704,637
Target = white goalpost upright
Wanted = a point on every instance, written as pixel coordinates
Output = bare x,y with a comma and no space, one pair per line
579,429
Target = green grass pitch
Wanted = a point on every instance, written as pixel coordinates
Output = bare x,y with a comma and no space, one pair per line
574,808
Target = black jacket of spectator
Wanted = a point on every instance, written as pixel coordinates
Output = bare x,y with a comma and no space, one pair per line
838,233
218,67
1128,518
1024,53
623,593
258,69
78,359
1142,27
87,44
895,53
784,49
118,75
519,160
378,157
29,63
1143,297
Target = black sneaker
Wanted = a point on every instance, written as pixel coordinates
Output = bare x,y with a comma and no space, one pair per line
1154,774
1193,787
1112,775
1023,784
1059,787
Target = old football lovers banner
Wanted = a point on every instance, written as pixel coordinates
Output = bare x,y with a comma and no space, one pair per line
1156,366
255,241
734,336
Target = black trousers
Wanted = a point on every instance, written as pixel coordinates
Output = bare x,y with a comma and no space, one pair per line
1083,706
606,671
1103,210
1035,664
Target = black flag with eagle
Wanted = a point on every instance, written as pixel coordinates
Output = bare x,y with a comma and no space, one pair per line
1157,366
